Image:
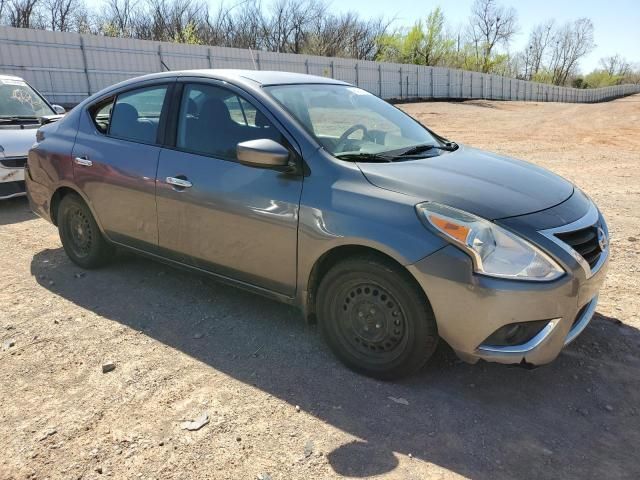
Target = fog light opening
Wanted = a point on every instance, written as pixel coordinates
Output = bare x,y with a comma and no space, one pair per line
515,333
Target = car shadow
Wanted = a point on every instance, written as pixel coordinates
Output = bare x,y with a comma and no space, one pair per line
15,210
576,418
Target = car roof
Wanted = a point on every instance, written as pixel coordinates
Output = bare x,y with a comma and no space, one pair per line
262,77
10,77
252,77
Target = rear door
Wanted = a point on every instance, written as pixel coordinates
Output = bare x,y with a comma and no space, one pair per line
115,162
223,216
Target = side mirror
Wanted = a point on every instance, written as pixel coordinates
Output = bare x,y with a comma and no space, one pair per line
59,109
263,153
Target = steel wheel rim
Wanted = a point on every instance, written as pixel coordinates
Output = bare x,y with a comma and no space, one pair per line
371,323
80,232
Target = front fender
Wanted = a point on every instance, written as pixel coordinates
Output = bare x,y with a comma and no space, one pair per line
355,213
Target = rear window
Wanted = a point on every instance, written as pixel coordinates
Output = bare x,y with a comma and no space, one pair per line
136,114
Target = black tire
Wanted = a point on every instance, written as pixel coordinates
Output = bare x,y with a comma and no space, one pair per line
80,235
375,318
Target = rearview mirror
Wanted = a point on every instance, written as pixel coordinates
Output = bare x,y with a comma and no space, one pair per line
58,109
263,153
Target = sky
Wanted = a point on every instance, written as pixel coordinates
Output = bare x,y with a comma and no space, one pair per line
616,22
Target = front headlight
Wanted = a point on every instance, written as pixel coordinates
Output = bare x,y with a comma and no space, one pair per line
494,250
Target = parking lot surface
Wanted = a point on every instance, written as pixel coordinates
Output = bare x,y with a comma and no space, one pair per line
279,405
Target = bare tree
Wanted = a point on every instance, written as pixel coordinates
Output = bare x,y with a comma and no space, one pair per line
363,39
616,66
118,18
173,21
62,14
287,28
214,28
85,21
22,13
490,25
571,43
327,36
345,35
246,26
537,48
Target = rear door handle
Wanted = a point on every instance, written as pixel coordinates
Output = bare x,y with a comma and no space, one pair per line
83,160
179,182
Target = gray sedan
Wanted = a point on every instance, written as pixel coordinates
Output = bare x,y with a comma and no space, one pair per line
317,193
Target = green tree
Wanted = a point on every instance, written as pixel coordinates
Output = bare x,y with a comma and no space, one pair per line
189,34
601,78
423,44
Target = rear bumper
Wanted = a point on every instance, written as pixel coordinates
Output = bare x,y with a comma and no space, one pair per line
469,308
39,197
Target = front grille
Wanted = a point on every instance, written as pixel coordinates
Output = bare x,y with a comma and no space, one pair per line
14,162
585,242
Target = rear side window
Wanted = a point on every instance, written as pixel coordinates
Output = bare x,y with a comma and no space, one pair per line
136,114
213,120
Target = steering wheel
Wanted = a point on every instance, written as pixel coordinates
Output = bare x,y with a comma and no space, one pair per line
342,141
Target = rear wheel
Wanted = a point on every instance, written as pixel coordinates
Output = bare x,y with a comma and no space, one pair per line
375,318
81,238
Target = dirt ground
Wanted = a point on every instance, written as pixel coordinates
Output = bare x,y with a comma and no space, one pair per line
280,406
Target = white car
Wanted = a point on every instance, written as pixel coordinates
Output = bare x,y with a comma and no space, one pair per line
22,110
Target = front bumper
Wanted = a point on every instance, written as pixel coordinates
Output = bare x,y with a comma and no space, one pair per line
544,346
11,182
470,307
12,189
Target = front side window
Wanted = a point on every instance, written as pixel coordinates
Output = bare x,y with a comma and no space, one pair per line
347,119
18,99
213,120
136,114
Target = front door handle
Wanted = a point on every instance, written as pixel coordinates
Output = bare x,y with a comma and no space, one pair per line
83,160
179,182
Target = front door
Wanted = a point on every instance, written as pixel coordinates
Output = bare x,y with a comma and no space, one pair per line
220,215
115,160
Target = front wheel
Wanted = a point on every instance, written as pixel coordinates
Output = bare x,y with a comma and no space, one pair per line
80,235
375,318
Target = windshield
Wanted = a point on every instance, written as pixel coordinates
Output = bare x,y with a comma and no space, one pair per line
348,120
17,99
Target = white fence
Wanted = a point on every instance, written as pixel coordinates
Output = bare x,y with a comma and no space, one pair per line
67,67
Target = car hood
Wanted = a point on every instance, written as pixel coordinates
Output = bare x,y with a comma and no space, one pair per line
16,141
486,184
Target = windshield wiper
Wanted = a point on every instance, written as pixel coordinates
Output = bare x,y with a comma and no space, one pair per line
363,157
17,118
411,152
449,147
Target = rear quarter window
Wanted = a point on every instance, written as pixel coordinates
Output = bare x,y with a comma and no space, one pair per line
101,115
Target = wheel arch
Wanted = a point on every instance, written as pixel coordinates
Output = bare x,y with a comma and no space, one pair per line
60,192
56,198
336,255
